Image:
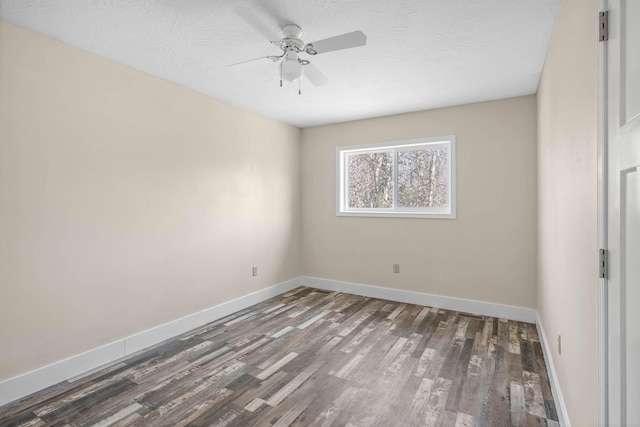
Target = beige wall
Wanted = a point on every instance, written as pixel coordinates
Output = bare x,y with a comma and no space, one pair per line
488,253
127,201
567,205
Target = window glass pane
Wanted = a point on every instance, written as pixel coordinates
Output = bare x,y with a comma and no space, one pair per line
423,178
370,178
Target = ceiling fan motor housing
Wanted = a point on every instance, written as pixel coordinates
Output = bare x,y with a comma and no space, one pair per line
292,30
291,38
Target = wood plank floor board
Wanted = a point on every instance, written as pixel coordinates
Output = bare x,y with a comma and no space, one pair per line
469,397
428,328
444,331
315,358
391,405
85,403
459,377
326,390
500,407
549,404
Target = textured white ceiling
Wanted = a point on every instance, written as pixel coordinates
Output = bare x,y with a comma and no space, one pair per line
420,54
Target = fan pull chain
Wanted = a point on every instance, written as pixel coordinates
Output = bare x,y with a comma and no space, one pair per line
300,86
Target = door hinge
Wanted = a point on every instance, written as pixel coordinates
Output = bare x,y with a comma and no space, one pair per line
603,264
603,26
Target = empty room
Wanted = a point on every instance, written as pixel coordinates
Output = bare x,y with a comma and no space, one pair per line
319,213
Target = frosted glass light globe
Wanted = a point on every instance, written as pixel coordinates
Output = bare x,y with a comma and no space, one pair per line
291,70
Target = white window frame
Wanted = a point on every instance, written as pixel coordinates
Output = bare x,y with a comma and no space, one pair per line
342,193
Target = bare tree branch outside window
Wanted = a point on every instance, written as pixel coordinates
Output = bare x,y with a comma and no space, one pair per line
422,178
371,180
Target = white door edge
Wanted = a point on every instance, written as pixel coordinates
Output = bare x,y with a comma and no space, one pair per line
602,227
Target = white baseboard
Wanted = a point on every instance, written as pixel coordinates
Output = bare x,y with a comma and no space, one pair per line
168,330
520,314
38,379
46,376
561,408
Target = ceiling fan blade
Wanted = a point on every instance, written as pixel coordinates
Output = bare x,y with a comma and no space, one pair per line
273,58
314,75
345,41
258,23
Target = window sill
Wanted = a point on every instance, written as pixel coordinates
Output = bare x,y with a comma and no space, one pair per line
399,214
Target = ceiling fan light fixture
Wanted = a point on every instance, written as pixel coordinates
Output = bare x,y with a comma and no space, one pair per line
291,69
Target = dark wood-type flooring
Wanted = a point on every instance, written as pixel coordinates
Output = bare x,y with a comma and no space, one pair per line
316,358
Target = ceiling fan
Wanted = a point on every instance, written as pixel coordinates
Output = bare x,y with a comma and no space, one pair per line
292,66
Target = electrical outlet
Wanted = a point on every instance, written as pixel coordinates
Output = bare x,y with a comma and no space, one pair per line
559,344
396,268
254,271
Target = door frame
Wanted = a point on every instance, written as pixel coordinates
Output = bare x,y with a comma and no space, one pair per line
602,145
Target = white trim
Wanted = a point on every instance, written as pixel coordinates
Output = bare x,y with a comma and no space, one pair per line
484,308
342,209
176,327
30,382
38,379
561,408
403,143
373,214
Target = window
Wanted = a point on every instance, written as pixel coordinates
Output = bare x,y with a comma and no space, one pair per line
411,179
